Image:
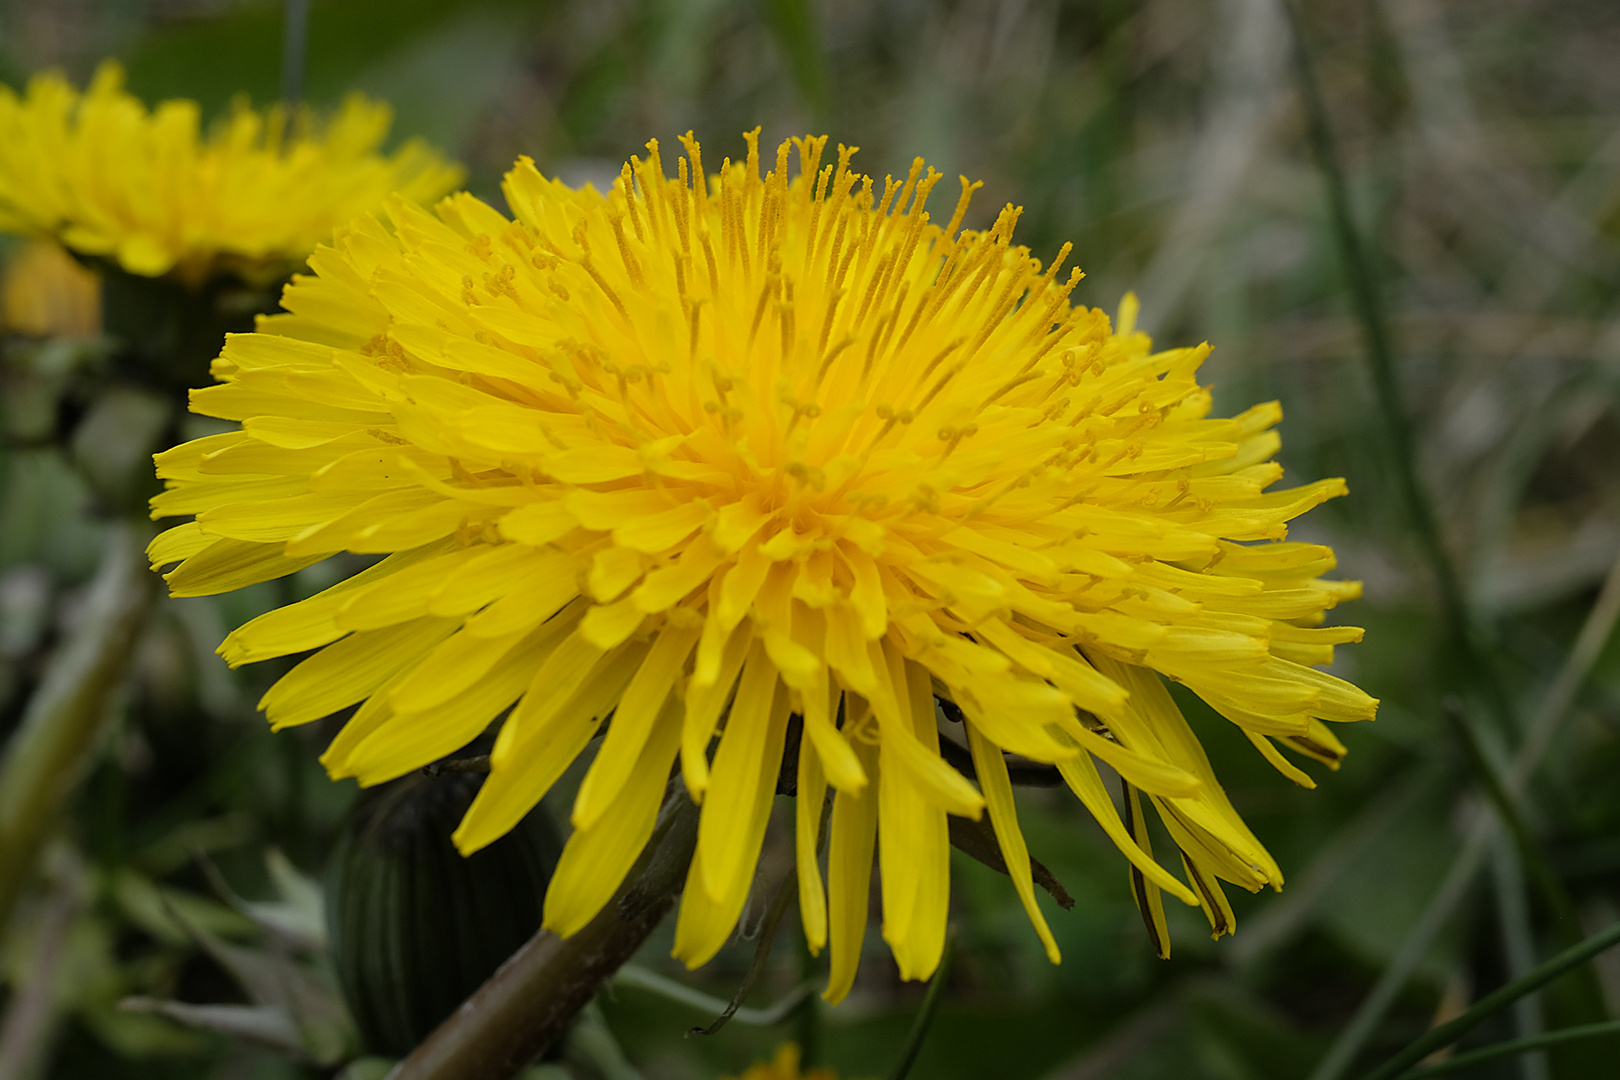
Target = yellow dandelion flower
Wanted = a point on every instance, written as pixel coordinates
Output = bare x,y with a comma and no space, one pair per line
107,177
711,453
784,1066
46,293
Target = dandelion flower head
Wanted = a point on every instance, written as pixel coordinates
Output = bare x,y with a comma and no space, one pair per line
147,190
748,461
784,1065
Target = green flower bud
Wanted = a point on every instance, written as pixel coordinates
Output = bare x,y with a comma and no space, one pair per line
415,927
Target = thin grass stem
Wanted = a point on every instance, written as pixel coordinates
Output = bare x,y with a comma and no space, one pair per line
294,48
785,894
640,978
925,1015
1519,950
1565,922
1515,1047
809,1012
1444,1035
1355,1034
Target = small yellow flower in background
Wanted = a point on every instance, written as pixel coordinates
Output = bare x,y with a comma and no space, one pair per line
45,292
784,1066
707,453
146,189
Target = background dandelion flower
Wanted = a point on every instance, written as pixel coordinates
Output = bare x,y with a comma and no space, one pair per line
784,1065
44,292
148,190
713,452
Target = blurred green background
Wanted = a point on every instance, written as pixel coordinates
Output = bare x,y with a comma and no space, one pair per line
1166,138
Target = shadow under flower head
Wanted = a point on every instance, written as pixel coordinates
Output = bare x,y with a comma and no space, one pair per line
149,191
711,452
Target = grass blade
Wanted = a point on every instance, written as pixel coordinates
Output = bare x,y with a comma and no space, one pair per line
1449,1032
1517,1046
925,1015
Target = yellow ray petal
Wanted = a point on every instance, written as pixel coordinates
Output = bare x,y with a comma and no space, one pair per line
703,924
349,671
912,745
597,857
849,873
640,710
915,848
998,796
233,564
1146,892
743,780
703,705
808,802
561,728
421,735
1080,773
311,623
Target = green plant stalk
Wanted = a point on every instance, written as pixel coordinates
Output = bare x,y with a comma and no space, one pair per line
1518,941
1449,1032
1348,1043
531,998
670,990
1516,1047
33,1013
809,1012
592,1040
52,747
1566,924
926,1014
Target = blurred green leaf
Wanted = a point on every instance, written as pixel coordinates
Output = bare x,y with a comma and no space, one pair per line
171,915
793,22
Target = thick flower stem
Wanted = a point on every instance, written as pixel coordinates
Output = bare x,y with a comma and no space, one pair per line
50,749
529,1001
